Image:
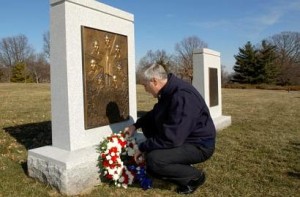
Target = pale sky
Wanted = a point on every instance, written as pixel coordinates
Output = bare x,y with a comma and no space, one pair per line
225,25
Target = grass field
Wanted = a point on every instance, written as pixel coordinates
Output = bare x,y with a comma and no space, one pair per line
258,155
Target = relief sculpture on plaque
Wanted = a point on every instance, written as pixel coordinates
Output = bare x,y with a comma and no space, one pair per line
105,69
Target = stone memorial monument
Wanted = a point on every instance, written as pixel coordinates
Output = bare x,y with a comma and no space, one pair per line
93,90
207,80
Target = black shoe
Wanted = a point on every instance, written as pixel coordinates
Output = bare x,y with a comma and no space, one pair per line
192,185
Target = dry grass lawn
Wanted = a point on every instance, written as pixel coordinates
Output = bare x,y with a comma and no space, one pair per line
258,155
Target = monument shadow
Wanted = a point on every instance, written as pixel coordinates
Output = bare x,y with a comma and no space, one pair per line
114,116
32,135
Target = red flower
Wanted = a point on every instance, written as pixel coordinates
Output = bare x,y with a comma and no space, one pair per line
114,158
112,165
125,176
122,143
113,150
108,176
105,163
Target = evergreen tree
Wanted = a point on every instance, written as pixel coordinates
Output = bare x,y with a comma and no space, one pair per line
267,56
248,68
19,73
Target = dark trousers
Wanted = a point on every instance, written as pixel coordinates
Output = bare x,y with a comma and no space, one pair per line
175,164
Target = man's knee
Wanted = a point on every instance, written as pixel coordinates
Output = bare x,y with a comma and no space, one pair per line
154,162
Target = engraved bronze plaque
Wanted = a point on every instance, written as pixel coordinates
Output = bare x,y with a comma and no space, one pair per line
105,70
213,87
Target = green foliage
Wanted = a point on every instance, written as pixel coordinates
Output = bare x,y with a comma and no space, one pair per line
256,66
20,74
248,68
275,61
267,56
100,148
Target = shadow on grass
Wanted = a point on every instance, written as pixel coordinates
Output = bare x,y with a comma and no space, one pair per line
32,135
294,174
25,167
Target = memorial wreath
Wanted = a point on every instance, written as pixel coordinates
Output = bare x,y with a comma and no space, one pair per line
116,162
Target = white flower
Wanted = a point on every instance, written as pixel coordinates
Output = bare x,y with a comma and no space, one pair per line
121,179
120,161
116,177
110,171
108,157
115,141
130,152
119,170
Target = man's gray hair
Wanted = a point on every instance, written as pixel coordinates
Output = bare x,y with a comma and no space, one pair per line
155,71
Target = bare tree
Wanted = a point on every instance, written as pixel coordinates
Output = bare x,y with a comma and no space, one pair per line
14,50
46,44
160,57
3,74
39,68
6,58
184,50
288,50
225,76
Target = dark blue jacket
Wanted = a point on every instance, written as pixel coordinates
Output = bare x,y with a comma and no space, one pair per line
180,116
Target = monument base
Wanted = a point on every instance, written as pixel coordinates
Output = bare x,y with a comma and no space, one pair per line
71,172
222,122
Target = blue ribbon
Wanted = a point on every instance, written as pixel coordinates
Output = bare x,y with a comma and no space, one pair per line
141,176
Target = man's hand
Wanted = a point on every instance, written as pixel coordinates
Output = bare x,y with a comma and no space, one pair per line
139,157
130,130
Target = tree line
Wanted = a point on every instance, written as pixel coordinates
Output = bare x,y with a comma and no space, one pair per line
20,63
276,60
180,63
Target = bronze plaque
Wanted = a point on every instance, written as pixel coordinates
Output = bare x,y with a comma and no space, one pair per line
213,87
105,68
